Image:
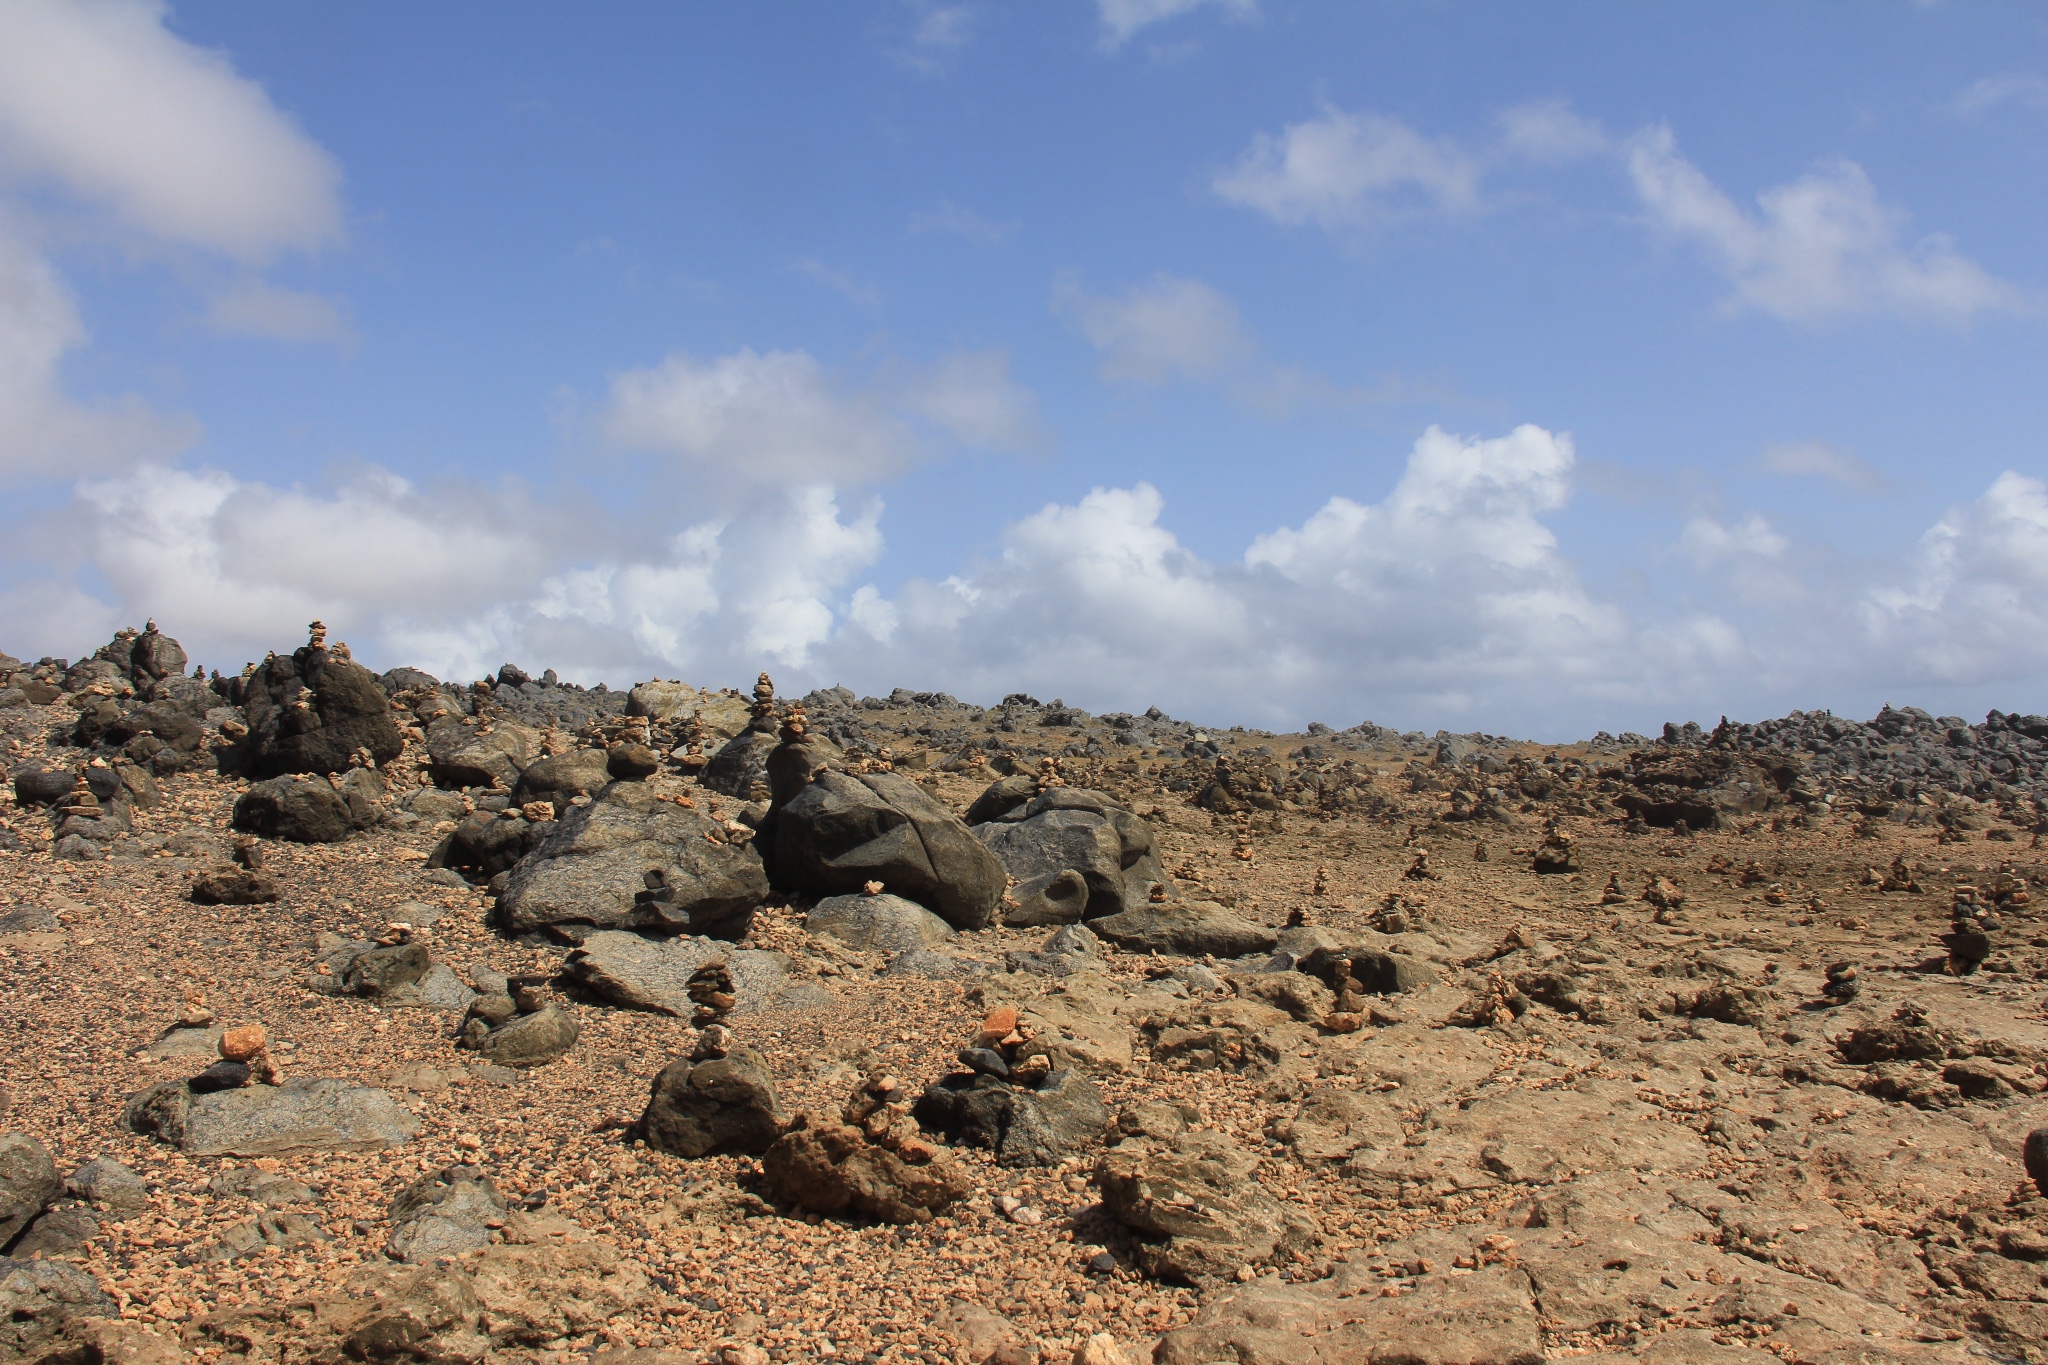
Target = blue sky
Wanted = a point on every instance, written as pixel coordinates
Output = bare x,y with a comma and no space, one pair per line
1534,369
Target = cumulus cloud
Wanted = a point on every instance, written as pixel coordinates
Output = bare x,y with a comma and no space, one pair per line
98,96
1163,330
455,580
972,398
42,431
780,417
98,99
1822,246
1974,606
1341,170
256,308
1122,18
1818,460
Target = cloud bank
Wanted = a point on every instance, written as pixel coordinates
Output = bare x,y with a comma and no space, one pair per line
1448,600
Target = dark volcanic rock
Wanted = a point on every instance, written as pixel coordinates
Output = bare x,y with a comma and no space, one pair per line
1024,1127
28,1182
840,832
305,810
704,1105
1071,829
310,711
627,860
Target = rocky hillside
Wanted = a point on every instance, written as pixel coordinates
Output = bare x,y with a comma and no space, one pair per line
384,1018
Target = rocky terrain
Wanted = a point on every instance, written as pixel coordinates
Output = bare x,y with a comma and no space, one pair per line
393,1019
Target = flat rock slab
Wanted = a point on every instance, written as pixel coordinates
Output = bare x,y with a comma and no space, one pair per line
654,973
186,1042
312,1115
1194,929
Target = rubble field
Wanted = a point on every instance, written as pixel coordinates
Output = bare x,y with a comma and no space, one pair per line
380,1018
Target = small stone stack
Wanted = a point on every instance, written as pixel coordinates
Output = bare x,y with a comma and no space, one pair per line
1843,984
710,988
1556,854
1972,921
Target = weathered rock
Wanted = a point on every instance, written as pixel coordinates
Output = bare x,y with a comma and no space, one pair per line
1191,929
488,843
1484,1318
444,1213
1378,970
1195,1208
1065,952
654,973
109,1185
1072,829
307,1114
1062,1117
1227,1035
580,772
226,884
884,923
531,1040
466,756
63,1229
1331,1123
723,714
310,712
740,767
28,1182
840,832
702,1106
382,971
629,861
1705,787
37,1301
2034,1157
829,1167
305,810
381,1313
1058,898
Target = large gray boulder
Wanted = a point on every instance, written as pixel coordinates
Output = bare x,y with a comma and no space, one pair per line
1062,1117
627,860
877,924
1039,835
1190,929
28,1182
308,1114
462,755
309,712
580,772
841,831
1196,1208
530,1040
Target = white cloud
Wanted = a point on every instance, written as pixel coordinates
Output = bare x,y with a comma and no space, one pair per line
1551,131
2021,88
972,398
98,96
256,308
1974,606
1122,18
1163,330
43,432
1818,460
751,417
1823,246
944,27
781,418
963,222
1708,542
1341,170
